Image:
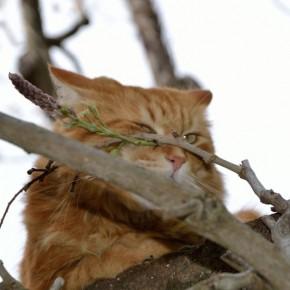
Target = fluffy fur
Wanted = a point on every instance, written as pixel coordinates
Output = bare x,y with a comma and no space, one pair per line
96,230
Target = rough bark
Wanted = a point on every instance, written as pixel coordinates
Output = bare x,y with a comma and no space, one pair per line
175,271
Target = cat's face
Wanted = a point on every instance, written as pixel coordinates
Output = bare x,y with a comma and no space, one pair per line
131,110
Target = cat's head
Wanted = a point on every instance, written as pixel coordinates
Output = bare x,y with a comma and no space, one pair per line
131,110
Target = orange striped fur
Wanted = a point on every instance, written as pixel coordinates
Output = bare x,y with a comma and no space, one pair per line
97,231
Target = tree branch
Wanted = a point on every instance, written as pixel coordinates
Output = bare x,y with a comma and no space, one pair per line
178,270
57,41
175,271
210,218
267,196
151,35
33,63
47,170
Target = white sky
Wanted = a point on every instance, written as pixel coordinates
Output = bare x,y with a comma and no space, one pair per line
239,49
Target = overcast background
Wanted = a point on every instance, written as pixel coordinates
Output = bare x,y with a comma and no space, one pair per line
239,49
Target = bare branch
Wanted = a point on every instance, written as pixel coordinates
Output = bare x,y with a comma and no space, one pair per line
33,63
178,270
210,219
45,171
179,141
150,31
280,229
267,196
57,41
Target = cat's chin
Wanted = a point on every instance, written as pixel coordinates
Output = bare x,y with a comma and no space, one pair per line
184,176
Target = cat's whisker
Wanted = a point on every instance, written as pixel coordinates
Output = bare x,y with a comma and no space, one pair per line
208,186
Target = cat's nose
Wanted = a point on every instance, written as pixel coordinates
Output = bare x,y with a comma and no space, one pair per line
176,161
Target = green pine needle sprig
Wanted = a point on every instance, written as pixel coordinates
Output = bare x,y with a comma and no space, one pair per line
90,120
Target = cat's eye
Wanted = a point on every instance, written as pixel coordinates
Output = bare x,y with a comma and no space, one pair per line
191,137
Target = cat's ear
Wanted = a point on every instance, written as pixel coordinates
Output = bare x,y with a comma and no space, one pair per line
201,97
68,85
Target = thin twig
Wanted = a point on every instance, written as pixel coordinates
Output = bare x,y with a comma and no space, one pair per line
49,104
267,196
49,168
202,205
179,141
57,41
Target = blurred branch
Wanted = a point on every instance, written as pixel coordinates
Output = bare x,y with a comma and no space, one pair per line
72,58
147,21
44,172
180,269
33,63
57,41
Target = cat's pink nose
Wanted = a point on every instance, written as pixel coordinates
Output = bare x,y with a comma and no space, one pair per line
176,161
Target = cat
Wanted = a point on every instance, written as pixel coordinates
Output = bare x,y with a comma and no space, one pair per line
80,228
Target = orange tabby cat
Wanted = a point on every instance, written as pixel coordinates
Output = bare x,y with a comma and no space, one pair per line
80,228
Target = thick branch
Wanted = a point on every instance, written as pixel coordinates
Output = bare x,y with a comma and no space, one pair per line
174,271
210,218
177,270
